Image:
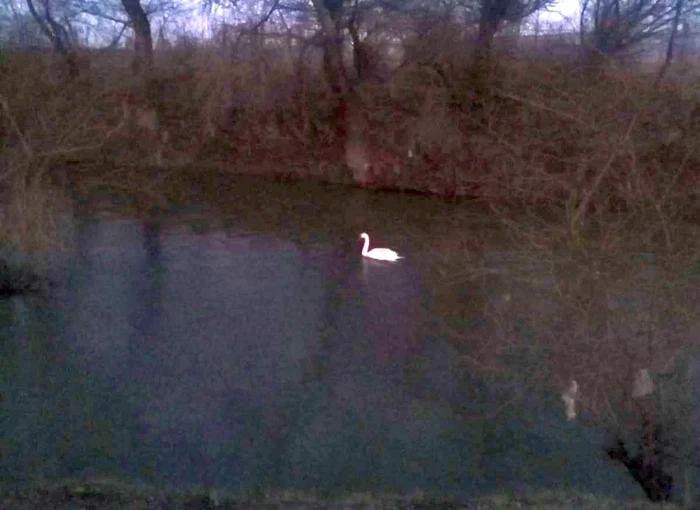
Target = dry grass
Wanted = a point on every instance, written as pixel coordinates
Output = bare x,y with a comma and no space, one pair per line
600,148
549,133
109,494
595,151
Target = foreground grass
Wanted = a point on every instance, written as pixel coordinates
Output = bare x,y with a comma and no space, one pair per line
111,494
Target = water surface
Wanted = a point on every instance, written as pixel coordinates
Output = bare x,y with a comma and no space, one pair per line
253,353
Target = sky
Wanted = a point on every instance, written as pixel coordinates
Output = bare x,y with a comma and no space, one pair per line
562,15
565,12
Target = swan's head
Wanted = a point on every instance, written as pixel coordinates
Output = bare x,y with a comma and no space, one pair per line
364,236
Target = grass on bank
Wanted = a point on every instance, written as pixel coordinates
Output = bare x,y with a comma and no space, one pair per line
550,132
115,495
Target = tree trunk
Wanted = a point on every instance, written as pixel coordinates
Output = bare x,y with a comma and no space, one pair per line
359,53
144,106
332,51
361,61
329,14
143,40
484,45
481,69
671,44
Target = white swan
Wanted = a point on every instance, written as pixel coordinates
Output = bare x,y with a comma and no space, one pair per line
378,253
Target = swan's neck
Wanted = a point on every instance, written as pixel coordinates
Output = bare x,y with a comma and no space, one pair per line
365,250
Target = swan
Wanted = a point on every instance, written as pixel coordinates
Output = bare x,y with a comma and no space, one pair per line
378,253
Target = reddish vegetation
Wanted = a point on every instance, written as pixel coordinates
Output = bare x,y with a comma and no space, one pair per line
547,133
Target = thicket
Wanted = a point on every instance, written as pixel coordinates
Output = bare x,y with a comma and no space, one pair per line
547,131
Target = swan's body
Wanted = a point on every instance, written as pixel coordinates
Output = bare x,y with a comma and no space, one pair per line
378,253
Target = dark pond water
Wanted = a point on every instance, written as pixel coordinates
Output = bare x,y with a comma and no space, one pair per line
194,349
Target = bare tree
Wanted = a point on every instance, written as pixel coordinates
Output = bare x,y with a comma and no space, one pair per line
106,21
611,27
18,27
493,15
56,30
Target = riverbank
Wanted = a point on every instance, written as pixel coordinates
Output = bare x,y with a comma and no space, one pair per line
112,495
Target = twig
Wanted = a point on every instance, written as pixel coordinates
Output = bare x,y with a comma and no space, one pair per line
25,145
588,195
678,172
664,226
540,106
